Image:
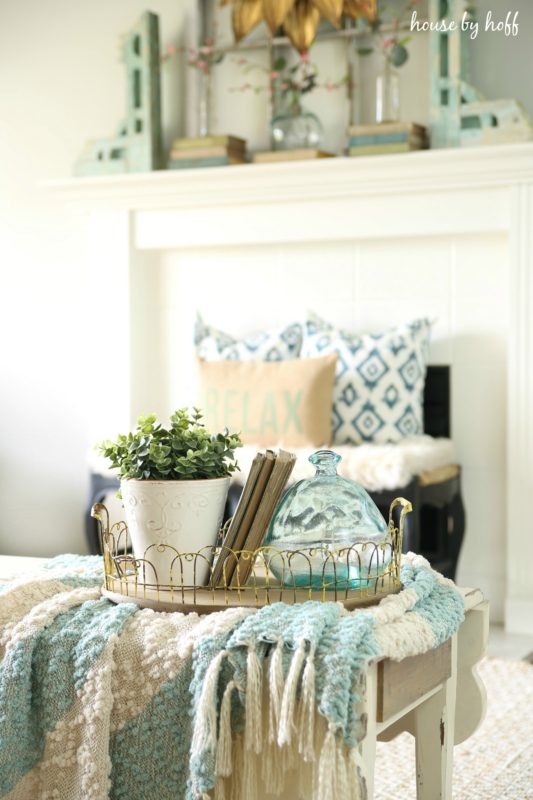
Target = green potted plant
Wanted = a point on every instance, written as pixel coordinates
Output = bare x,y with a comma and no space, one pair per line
174,483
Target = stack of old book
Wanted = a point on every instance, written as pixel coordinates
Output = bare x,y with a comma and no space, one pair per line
207,151
386,137
262,492
300,154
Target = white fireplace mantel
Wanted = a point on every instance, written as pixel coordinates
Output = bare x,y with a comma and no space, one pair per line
315,180
426,194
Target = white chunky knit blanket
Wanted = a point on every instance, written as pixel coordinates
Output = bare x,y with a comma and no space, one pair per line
375,466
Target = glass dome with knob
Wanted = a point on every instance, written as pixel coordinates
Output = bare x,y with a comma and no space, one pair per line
327,532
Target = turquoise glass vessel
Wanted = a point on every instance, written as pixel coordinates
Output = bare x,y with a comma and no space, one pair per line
329,532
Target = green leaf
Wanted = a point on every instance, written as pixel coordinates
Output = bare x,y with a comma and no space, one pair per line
185,450
399,55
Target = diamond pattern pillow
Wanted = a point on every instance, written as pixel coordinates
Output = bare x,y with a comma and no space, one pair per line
278,345
379,385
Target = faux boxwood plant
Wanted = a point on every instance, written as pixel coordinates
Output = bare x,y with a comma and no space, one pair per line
184,451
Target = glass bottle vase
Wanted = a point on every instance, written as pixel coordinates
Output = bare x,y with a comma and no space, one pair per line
296,128
388,94
204,103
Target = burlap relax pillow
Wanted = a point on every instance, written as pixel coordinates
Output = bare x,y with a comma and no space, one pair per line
284,403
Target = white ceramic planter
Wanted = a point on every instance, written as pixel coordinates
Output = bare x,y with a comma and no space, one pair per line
186,515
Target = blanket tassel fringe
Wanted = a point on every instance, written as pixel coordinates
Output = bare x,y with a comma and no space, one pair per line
284,737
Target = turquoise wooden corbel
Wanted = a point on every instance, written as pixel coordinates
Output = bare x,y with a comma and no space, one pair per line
137,145
459,114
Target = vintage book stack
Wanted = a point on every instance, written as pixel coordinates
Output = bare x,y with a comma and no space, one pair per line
300,154
386,137
262,492
207,151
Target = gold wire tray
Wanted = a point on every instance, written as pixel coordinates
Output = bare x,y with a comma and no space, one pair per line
358,575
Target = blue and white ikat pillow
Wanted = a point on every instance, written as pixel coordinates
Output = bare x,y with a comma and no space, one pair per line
277,345
379,385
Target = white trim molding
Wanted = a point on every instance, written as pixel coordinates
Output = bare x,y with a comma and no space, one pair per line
424,171
519,594
424,194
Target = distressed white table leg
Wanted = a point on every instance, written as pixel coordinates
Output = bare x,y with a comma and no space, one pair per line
368,746
433,724
471,702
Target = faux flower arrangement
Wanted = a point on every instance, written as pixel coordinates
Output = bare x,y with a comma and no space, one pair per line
203,58
288,81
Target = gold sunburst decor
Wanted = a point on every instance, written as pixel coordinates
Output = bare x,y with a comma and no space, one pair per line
298,18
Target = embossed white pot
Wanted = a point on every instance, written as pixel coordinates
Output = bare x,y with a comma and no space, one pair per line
185,515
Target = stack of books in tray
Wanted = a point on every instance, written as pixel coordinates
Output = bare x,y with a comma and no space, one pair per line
262,492
207,151
386,137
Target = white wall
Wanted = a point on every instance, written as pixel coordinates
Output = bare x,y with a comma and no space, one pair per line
61,83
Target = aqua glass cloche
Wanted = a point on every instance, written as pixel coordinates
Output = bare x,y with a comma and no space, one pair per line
324,515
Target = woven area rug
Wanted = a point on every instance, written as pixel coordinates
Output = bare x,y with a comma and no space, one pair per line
496,763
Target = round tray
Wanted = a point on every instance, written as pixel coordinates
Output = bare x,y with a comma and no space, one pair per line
207,600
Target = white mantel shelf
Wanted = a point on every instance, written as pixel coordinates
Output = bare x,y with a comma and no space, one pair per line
313,180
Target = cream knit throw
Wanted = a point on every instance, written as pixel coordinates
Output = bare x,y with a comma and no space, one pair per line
99,701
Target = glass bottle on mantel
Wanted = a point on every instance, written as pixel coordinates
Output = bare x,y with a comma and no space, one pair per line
204,103
388,94
328,532
295,128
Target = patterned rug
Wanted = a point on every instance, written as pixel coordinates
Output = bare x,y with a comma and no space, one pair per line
496,763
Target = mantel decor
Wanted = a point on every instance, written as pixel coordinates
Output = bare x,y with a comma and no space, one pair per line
137,144
459,114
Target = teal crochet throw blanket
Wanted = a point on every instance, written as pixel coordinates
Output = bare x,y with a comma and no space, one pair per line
112,701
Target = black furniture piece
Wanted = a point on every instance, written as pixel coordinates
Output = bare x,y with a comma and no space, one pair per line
435,528
99,488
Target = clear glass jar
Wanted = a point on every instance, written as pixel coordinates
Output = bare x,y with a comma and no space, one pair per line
296,128
388,94
329,530
204,104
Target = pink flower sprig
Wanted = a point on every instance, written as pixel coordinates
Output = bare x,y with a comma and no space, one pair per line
290,82
204,57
